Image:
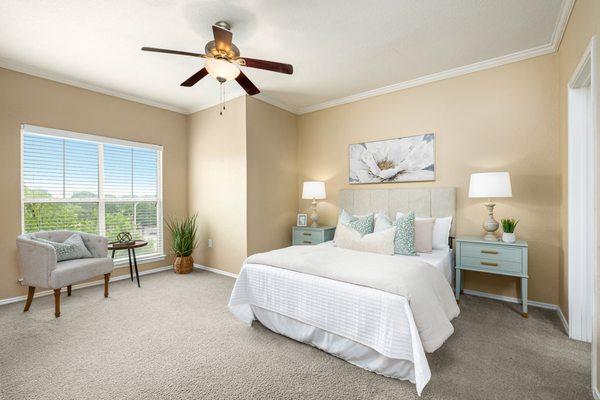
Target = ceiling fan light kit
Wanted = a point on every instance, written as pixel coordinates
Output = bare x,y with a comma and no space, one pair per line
223,61
220,68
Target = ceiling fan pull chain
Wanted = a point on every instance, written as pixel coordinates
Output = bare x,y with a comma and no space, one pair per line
220,98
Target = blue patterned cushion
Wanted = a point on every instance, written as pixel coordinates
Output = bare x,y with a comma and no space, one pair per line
363,225
70,249
404,242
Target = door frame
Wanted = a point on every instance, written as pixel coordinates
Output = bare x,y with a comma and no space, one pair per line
583,184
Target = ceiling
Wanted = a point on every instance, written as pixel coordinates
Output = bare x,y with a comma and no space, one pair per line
339,48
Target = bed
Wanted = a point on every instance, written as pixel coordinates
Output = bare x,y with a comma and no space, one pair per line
374,329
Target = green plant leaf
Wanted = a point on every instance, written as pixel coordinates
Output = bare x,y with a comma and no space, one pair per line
183,234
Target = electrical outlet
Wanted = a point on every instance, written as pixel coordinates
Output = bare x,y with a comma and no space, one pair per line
210,243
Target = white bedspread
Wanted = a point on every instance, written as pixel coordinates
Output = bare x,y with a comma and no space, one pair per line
373,318
430,298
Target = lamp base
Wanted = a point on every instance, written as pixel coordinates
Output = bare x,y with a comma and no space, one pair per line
490,225
314,217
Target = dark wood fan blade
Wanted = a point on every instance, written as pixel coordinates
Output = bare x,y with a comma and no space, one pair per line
192,80
268,65
223,38
181,53
247,84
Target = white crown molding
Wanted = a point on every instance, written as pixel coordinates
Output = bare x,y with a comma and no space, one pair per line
451,73
561,23
552,47
261,96
214,103
557,35
40,73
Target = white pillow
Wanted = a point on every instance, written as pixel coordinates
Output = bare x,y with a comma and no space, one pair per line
382,222
376,242
441,231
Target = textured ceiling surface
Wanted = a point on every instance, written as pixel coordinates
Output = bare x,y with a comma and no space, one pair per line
337,47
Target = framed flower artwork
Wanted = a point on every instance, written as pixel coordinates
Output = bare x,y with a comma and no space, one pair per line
407,159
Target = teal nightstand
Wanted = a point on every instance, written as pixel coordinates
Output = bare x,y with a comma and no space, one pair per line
306,235
476,254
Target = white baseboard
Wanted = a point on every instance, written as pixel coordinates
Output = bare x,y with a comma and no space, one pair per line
533,303
216,271
84,285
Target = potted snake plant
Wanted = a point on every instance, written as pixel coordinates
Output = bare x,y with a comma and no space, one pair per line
183,235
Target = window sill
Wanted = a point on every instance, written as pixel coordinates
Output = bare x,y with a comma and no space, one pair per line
150,258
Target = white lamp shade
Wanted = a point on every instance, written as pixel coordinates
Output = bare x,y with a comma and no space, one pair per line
313,190
490,185
221,69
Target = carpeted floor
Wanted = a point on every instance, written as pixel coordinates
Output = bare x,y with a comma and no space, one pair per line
174,339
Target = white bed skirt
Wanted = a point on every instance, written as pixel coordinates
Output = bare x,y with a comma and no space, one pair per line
346,349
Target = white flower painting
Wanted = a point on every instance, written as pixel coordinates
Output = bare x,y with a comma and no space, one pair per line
408,159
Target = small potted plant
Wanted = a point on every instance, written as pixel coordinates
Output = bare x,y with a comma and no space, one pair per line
508,226
183,234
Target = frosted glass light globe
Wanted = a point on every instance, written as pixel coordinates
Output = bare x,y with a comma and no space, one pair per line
218,68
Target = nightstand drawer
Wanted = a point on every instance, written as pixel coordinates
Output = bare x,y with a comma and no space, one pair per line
307,237
495,266
491,252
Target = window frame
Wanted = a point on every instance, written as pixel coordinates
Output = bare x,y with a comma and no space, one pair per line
101,141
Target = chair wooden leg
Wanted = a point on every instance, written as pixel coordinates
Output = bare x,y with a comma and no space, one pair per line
69,290
106,279
57,303
29,298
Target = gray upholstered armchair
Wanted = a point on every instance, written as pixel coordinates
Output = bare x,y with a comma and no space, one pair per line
39,267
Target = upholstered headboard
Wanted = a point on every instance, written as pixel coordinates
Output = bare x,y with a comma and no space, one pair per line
425,202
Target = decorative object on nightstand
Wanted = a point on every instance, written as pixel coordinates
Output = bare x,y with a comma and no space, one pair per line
301,219
477,254
308,235
508,229
490,185
316,191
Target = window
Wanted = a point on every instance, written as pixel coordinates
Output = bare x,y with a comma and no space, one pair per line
92,184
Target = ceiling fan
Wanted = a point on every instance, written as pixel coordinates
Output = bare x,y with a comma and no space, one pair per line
223,61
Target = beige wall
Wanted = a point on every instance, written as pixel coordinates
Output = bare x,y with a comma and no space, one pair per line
583,24
217,184
272,147
502,119
36,101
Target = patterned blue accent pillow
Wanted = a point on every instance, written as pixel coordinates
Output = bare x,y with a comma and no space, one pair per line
363,225
404,242
70,249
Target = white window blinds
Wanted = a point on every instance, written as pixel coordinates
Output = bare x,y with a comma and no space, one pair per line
92,184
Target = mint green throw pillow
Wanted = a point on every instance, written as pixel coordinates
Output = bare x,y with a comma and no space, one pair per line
71,249
363,224
404,242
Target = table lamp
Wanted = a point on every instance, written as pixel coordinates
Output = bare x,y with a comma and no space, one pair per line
315,191
490,185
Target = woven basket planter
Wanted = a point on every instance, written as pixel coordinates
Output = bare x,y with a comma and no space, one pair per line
183,265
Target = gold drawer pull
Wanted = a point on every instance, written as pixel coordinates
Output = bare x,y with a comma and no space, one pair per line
306,242
489,251
489,263
307,234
